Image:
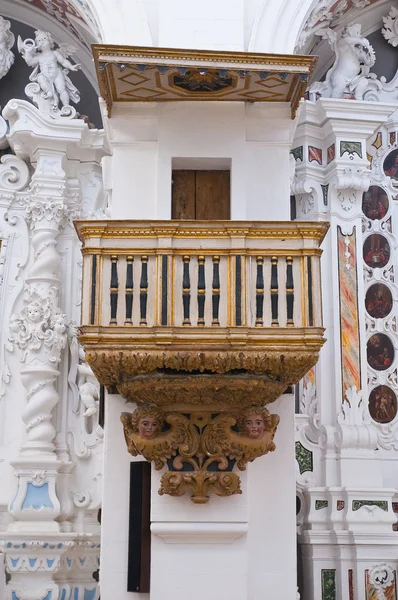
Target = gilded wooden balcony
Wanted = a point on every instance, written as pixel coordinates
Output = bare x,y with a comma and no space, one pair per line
201,312
201,324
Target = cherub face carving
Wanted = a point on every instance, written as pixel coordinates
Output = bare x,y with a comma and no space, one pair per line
34,312
148,427
254,426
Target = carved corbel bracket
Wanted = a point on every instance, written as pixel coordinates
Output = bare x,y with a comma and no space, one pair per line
200,448
354,177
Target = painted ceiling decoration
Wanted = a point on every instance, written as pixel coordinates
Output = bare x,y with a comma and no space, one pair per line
75,15
134,74
330,13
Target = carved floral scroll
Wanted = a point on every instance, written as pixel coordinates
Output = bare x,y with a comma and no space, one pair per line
200,449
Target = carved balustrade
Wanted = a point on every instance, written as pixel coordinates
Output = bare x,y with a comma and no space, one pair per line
201,318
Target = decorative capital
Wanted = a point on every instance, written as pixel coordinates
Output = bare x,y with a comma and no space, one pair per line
200,449
51,212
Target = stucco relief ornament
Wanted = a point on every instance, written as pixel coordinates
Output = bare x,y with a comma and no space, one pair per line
350,74
38,327
7,41
50,85
321,16
200,449
390,29
381,577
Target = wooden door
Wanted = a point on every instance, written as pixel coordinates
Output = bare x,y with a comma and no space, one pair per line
201,195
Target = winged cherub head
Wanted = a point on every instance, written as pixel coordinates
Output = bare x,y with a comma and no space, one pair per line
147,421
254,421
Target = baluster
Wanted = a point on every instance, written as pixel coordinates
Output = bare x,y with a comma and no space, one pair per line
129,290
310,292
93,288
186,290
201,291
259,291
238,291
274,292
216,291
114,289
289,291
143,289
164,309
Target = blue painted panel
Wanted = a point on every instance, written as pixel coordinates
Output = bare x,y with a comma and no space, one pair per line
50,562
37,497
14,561
32,561
76,594
89,594
13,500
48,596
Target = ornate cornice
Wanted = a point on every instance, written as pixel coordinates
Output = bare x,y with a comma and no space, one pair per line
186,75
193,229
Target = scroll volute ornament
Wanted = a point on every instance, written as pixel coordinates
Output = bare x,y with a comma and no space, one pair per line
200,448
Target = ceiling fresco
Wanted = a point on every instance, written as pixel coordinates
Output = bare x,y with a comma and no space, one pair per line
75,15
331,13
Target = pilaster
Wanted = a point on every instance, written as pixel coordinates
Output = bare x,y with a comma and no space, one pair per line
346,501
47,547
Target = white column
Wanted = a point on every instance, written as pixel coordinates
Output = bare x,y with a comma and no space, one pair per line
47,558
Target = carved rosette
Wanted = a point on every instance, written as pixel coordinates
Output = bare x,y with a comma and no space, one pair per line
200,448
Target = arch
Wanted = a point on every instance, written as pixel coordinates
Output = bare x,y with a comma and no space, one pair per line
278,25
124,22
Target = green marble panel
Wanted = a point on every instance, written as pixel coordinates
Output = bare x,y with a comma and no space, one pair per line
328,584
304,458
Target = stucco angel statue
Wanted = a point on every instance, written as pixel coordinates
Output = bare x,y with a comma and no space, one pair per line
50,74
350,73
7,41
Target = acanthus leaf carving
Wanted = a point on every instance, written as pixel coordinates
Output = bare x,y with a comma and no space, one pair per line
201,449
390,29
52,211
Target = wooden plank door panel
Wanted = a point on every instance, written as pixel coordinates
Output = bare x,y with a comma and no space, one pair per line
183,195
212,195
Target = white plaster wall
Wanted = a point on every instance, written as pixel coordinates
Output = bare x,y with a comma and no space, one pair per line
115,506
272,513
255,139
233,548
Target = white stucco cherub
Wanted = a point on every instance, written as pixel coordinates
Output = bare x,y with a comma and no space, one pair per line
350,73
7,41
51,66
88,389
